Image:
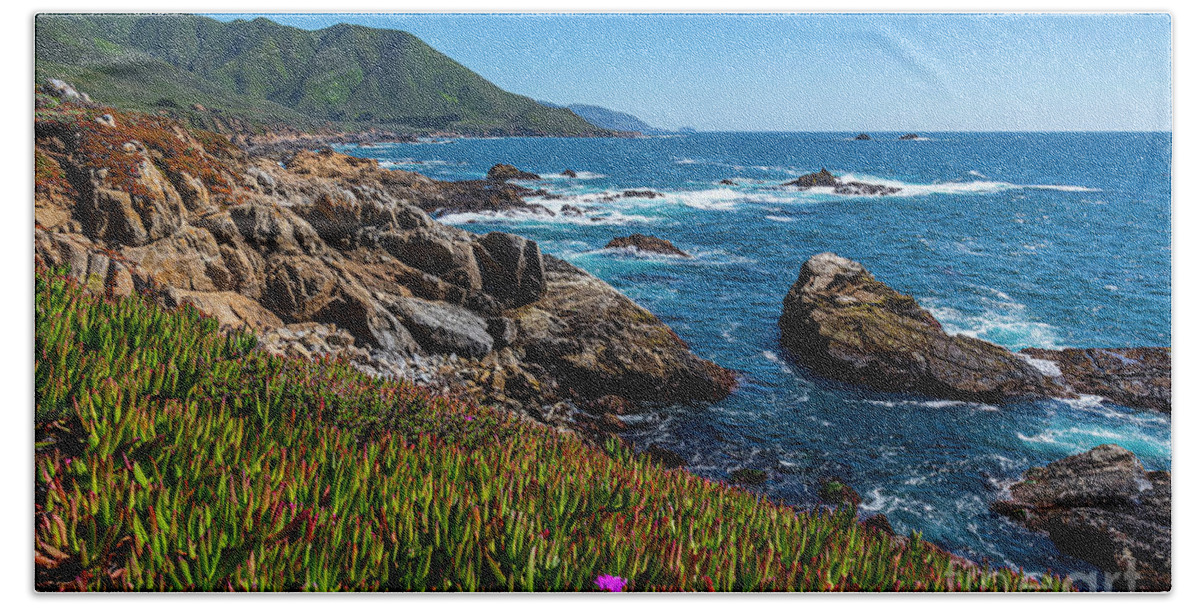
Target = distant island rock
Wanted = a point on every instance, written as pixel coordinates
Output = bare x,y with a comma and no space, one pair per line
862,137
569,173
909,136
650,244
1103,507
825,179
844,324
503,172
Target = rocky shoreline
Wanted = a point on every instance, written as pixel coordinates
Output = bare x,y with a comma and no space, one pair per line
1103,507
327,254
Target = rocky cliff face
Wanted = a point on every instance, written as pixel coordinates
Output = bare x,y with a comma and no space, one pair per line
1103,507
137,202
848,326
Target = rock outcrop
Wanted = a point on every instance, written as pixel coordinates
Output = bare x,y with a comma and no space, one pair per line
1103,507
825,179
844,324
862,137
596,342
324,253
649,244
909,137
505,172
1133,377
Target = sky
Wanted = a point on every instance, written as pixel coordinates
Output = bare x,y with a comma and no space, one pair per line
819,72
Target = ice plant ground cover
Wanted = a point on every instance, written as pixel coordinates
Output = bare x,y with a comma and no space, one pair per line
172,456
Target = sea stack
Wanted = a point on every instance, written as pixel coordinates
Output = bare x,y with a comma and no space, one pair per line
845,325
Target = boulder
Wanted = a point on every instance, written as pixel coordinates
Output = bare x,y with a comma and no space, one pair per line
511,268
1133,377
1103,507
444,328
503,172
439,252
274,229
648,244
230,309
843,324
296,287
597,342
189,260
352,308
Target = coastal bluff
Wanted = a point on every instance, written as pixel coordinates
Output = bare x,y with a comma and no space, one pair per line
134,202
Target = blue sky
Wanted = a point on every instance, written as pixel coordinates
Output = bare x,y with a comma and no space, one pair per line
819,72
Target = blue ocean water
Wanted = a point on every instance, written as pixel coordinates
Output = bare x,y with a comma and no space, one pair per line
1024,239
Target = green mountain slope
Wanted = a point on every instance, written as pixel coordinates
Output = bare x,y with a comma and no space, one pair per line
267,72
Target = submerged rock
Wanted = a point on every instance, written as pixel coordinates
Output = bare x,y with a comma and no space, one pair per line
1133,377
862,137
844,324
1103,507
909,136
646,243
569,173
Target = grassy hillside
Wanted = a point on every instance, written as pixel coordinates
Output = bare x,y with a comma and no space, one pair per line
171,456
348,75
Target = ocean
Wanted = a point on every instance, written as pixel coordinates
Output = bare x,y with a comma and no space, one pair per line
1024,239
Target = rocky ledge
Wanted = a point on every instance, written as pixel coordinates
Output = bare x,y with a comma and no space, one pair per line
331,254
1103,507
650,244
825,179
844,324
1134,377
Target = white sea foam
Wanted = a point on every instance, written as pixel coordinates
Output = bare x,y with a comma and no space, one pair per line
1048,368
972,187
1003,321
780,218
578,175
605,218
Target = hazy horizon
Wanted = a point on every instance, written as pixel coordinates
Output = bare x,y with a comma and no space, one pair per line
818,72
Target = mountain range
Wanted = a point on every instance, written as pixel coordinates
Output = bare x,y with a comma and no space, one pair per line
609,119
344,76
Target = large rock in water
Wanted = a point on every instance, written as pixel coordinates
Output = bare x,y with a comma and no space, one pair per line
1133,377
504,172
645,243
597,342
1103,507
825,179
844,324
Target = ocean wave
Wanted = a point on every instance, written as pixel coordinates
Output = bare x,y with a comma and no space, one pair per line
515,216
1002,321
779,218
971,187
935,404
1046,367
578,175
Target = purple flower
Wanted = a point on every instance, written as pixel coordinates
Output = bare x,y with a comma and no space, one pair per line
608,582
469,418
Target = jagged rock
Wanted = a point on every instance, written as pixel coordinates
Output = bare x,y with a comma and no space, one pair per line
230,309
649,244
504,172
1103,507
569,173
354,310
511,268
825,179
727,182
1133,377
909,136
841,322
63,91
596,341
273,229
297,287
503,330
438,252
190,259
862,137
444,328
